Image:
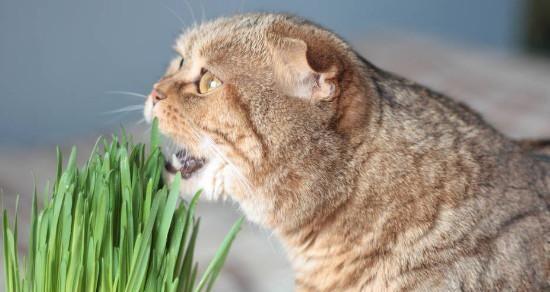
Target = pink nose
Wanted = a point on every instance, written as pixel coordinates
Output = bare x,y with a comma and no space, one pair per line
156,95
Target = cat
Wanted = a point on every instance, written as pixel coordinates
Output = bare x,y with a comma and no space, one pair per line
371,181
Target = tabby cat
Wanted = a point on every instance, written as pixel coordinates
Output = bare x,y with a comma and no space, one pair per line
372,182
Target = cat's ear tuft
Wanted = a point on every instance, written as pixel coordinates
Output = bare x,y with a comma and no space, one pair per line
296,77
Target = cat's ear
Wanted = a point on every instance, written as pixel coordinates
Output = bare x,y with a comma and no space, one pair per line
296,77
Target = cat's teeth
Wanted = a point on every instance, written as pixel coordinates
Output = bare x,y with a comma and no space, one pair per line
187,165
173,165
176,161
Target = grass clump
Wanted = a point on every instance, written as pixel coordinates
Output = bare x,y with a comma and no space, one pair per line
111,226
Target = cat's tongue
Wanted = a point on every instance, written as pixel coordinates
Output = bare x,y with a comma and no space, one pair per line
184,163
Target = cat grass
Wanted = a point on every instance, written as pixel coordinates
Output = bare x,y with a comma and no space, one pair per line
112,225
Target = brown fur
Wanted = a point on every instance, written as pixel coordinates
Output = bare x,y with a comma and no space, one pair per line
373,182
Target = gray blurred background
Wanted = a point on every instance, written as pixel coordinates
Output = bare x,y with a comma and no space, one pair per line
59,59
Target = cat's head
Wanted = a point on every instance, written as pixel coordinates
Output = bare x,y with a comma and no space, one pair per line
257,105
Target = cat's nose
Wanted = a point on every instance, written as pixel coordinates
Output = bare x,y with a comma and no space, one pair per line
157,95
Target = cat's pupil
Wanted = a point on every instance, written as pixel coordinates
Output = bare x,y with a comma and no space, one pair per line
181,62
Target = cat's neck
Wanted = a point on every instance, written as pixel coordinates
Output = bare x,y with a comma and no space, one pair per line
334,238
339,243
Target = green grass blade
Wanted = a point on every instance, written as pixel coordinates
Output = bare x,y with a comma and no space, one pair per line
155,135
112,225
217,262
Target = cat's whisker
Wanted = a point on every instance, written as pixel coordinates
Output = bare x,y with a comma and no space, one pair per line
175,14
173,147
128,93
125,109
141,121
169,152
168,147
203,12
240,176
241,6
114,119
212,146
191,11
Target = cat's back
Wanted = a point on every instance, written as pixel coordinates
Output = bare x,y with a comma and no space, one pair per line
492,231
511,229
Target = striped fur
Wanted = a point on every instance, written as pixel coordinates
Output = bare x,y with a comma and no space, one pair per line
380,185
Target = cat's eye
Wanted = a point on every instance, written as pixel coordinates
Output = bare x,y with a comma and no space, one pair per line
181,63
208,82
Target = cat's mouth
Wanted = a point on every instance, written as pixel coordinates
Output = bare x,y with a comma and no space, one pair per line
183,162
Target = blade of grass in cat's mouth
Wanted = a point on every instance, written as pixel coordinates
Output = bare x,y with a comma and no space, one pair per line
183,162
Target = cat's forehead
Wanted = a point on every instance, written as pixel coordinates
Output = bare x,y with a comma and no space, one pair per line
238,33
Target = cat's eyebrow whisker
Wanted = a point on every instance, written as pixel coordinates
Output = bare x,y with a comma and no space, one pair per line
191,11
129,93
175,14
125,109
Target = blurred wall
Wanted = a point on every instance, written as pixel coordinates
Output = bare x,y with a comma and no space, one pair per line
59,57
